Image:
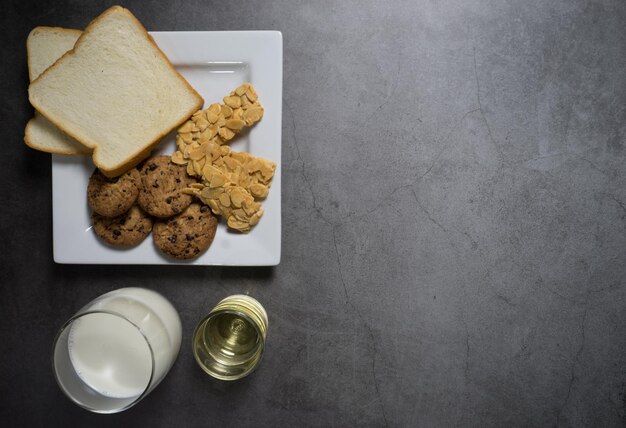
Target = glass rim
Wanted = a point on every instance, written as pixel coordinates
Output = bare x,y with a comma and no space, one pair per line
118,315
205,320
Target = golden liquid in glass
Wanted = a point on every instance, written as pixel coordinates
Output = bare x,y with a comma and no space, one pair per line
228,343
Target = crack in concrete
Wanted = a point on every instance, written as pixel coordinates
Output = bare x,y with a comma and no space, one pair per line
616,407
445,145
391,95
419,204
473,243
573,377
482,112
316,208
343,283
540,158
505,299
593,165
561,296
365,324
385,199
618,202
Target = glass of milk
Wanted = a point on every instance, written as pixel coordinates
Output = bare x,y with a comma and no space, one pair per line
116,349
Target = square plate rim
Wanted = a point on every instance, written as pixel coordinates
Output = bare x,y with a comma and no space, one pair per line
273,259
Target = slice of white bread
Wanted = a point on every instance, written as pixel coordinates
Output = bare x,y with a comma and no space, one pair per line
115,92
44,46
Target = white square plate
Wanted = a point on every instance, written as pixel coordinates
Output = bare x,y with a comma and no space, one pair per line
214,63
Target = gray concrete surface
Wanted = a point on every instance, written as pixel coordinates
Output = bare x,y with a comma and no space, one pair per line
454,223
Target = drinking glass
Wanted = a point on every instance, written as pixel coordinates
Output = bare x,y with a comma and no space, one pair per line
228,343
116,349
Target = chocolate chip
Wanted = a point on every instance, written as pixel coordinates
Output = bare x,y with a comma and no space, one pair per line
152,166
172,239
168,200
178,180
189,237
116,232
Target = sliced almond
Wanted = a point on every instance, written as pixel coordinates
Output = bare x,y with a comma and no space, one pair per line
190,170
214,207
259,191
226,111
251,94
211,116
215,193
180,143
202,123
218,162
178,158
242,89
231,163
190,191
186,137
232,101
252,115
251,207
237,196
187,127
215,108
235,124
197,153
198,165
241,157
238,225
240,215
254,219
224,199
226,133
217,180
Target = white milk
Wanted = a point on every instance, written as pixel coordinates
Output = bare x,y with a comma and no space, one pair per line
110,355
113,356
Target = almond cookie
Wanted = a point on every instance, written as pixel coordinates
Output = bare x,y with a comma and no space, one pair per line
126,230
188,234
161,185
111,197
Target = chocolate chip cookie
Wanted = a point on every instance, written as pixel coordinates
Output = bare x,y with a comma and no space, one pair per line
161,187
188,234
111,197
126,230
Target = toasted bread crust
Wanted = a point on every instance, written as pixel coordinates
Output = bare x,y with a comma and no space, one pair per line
69,151
29,39
141,152
28,139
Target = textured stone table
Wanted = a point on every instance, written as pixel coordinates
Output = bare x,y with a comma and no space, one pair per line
454,223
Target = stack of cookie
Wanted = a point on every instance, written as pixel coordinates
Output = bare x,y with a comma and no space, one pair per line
150,198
